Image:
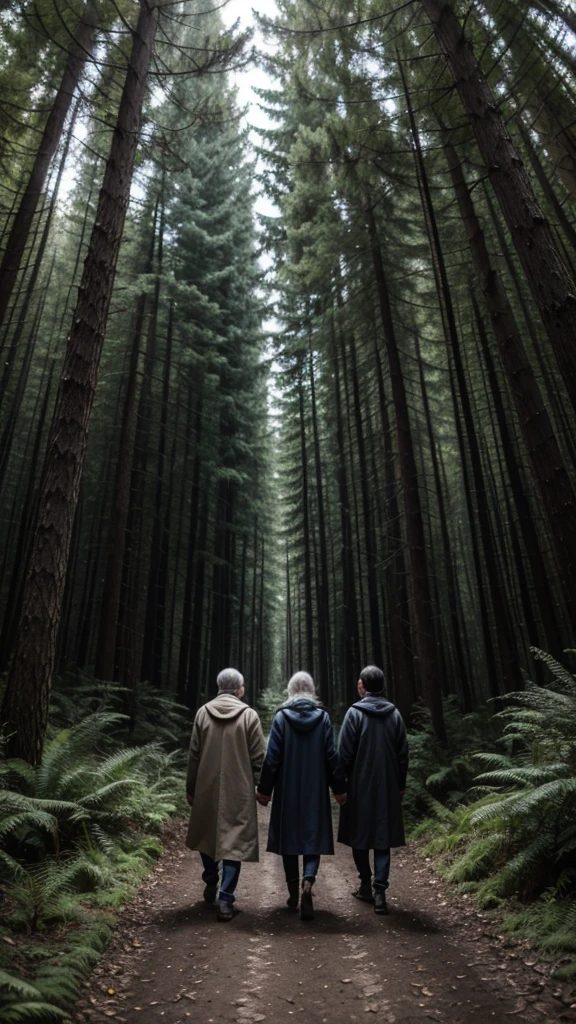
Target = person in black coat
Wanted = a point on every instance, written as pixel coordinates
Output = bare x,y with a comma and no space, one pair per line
373,752
301,765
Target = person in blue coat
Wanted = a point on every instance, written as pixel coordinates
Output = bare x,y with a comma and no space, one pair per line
300,767
373,752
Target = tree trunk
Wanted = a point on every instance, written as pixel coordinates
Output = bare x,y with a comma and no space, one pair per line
550,474
543,592
323,592
193,516
376,649
463,685
306,531
401,658
423,622
547,188
512,678
155,608
349,633
552,286
106,647
25,706
80,51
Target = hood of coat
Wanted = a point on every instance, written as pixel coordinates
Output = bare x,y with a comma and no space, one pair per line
302,714
225,705
372,704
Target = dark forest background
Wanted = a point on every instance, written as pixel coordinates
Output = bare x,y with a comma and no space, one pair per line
338,433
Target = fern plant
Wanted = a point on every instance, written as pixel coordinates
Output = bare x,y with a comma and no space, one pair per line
22,1002
75,841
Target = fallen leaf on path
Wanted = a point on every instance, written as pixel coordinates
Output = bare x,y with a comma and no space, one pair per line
346,981
427,992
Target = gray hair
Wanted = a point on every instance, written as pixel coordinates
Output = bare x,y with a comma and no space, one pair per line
373,679
301,682
230,681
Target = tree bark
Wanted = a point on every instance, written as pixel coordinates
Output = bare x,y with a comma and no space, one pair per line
552,286
25,706
376,649
423,622
322,587
549,470
80,51
106,647
306,530
349,634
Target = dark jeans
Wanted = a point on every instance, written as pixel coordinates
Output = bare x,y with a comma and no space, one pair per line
230,876
311,865
381,868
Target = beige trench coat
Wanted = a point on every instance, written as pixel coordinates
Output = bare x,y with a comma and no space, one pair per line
224,761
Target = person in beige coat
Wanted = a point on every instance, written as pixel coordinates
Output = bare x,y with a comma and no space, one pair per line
226,753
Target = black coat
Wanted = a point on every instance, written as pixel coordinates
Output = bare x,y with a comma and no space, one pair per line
301,764
373,752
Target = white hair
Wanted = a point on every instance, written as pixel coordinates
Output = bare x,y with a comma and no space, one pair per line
301,682
230,681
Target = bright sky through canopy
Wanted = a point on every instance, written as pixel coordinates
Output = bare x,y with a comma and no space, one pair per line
252,77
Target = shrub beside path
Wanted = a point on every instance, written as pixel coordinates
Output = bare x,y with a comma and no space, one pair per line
435,958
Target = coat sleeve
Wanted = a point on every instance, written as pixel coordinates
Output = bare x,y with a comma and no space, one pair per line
256,744
274,756
348,742
401,750
335,775
194,755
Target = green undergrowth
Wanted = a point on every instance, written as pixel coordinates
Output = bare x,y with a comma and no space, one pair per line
77,837
497,809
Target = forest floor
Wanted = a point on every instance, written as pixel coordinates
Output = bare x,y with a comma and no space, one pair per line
434,958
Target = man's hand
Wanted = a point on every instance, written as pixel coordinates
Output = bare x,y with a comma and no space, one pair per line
189,799
263,799
341,798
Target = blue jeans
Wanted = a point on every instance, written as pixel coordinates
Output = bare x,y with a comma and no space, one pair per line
230,876
381,868
310,870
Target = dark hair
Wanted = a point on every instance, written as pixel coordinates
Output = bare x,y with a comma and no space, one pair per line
373,679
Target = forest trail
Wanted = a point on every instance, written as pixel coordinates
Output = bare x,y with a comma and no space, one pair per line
429,960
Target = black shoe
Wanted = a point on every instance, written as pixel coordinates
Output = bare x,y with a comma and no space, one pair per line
306,904
380,905
210,891
364,893
225,911
294,895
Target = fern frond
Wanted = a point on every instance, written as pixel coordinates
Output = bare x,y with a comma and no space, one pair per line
32,1013
560,674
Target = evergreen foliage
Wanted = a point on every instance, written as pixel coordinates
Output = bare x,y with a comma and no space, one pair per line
77,836
510,836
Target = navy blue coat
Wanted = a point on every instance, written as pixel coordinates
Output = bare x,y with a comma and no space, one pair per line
373,752
301,764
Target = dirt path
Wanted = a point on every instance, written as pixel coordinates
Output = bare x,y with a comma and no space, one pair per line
432,959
